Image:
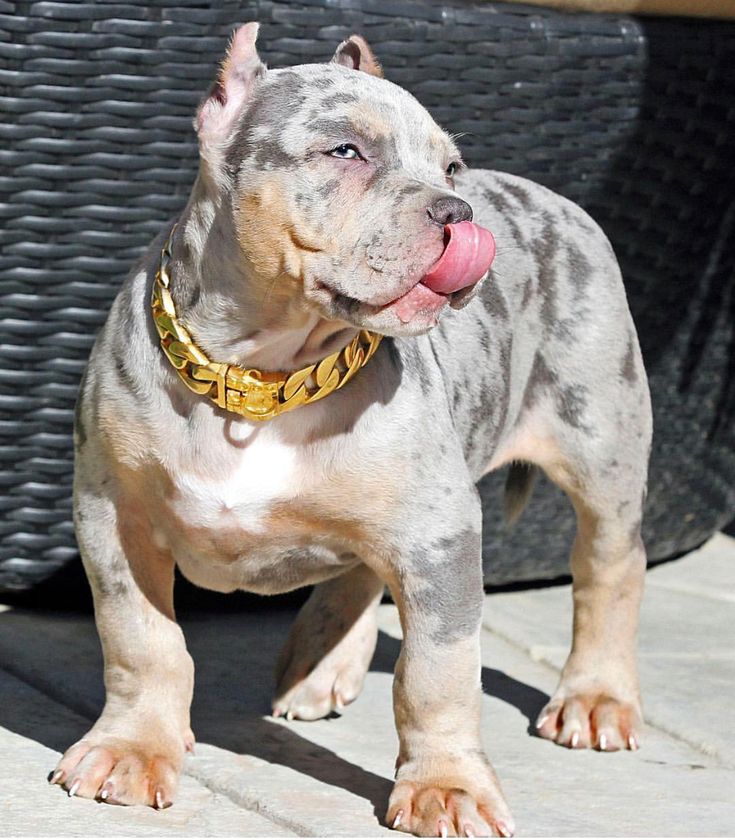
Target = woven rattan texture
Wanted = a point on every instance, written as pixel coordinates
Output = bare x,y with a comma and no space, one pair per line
632,119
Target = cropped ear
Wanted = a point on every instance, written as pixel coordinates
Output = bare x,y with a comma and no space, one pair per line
240,72
356,54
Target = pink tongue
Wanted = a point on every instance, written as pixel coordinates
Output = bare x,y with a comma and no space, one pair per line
467,256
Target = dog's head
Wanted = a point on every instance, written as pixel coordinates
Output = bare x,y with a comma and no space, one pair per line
340,185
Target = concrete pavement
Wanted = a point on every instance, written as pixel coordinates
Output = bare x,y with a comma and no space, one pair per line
255,776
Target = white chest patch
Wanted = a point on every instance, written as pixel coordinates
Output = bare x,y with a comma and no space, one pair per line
239,481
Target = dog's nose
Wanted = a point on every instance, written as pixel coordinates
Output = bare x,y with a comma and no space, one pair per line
448,210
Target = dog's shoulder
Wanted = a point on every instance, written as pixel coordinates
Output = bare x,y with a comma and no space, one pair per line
502,199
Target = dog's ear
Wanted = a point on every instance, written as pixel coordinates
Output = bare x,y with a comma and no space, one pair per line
240,72
356,54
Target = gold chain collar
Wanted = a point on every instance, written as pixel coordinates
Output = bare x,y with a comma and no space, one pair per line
249,393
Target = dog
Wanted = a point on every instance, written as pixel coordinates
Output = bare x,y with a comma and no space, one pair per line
302,384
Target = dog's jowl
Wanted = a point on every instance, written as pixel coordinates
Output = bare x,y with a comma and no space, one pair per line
303,382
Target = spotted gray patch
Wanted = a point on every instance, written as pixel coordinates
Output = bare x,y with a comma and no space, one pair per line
329,187
499,202
570,401
111,579
451,571
521,194
528,290
580,220
622,506
580,267
282,570
331,127
496,198
571,404
540,380
111,587
416,365
273,104
334,99
323,83
495,301
544,249
627,368
411,188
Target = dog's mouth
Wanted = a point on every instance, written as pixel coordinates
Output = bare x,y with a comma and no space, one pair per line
466,258
418,300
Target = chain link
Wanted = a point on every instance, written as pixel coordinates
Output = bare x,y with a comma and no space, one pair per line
249,393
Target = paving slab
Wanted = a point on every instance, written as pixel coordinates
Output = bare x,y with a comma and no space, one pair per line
333,777
242,754
709,571
665,789
30,807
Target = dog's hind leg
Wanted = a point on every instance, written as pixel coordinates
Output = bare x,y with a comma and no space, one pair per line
324,661
597,703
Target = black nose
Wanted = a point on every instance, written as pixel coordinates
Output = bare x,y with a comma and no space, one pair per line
448,210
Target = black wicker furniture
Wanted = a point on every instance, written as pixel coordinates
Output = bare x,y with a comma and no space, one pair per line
632,118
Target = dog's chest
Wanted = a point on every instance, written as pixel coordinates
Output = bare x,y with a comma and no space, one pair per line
239,484
228,491
261,512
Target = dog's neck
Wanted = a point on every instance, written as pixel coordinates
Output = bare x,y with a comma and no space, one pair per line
232,319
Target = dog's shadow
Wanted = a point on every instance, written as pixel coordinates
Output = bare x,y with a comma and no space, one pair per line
259,736
58,654
525,698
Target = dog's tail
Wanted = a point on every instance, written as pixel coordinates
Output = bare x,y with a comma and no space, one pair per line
518,489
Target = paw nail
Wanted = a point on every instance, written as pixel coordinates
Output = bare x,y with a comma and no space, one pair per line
159,800
443,830
603,742
54,777
339,703
632,743
468,831
74,788
575,739
541,721
289,715
104,794
277,713
504,830
397,820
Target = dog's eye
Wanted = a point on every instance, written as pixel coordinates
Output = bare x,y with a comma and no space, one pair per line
346,151
452,169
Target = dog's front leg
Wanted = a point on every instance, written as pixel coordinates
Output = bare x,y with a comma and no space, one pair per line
134,753
445,785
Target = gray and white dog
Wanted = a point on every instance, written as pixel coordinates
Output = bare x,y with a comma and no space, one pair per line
323,199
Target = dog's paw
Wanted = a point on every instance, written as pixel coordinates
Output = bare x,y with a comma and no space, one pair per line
321,668
309,691
595,719
119,772
435,810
